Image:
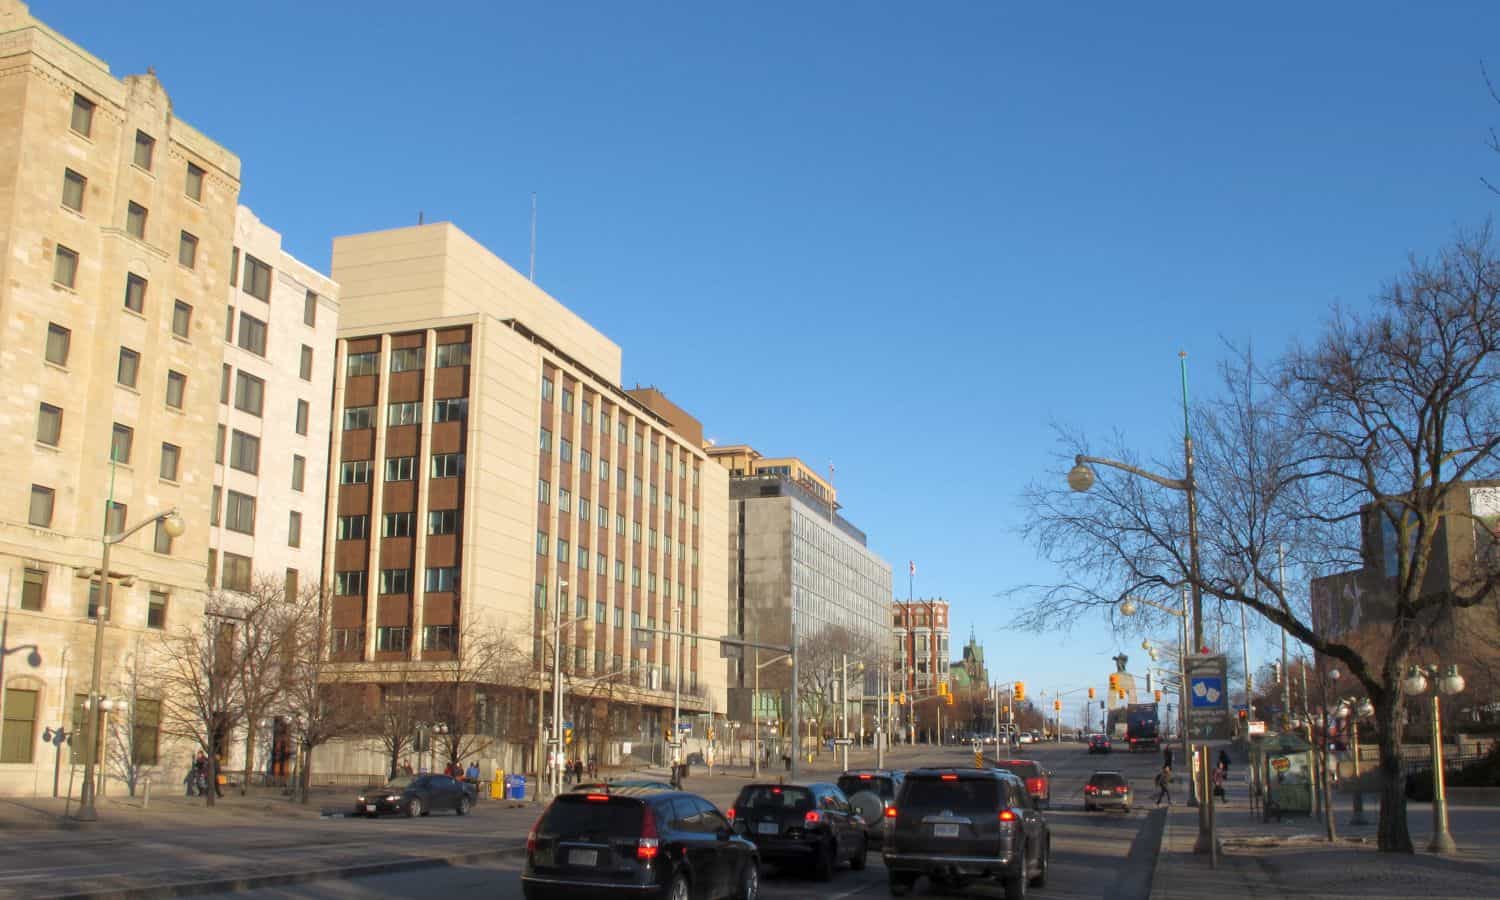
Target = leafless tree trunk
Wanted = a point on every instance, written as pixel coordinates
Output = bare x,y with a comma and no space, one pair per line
320,706
197,671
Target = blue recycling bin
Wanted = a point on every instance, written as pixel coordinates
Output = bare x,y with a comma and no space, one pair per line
517,786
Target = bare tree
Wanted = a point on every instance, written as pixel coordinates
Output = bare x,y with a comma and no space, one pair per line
267,657
1377,425
320,706
463,698
132,739
392,723
197,672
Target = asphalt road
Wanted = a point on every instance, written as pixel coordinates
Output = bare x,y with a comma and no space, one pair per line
1094,855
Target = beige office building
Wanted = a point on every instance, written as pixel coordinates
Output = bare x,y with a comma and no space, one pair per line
116,223
489,472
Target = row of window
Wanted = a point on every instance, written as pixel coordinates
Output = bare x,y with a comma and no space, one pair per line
408,359
394,639
622,432
401,468
144,156
354,583
34,584
43,507
450,409
398,524
19,739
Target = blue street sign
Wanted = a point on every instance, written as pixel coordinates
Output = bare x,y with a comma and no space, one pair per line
684,726
1207,692
567,724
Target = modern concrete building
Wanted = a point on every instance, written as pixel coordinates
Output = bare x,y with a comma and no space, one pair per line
490,472
116,226
797,563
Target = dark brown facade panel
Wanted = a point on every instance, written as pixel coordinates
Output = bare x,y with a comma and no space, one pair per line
354,499
400,496
445,493
360,390
439,609
358,444
348,612
406,387
450,381
448,437
350,556
393,610
403,440
442,550
453,335
407,340
397,553
363,345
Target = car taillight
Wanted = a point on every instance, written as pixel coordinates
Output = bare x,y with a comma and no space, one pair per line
1121,789
729,813
646,848
1007,816
890,812
1090,789
598,798
1034,785
950,777
864,777
531,835
813,817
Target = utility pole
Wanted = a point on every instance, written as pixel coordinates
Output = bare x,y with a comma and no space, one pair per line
844,708
1286,681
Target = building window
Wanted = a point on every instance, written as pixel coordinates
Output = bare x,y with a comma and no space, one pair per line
73,191
439,637
310,309
122,439
145,150
163,540
347,640
585,462
303,412
290,589
447,465
583,510
355,471
249,393
171,459
546,389
406,359
546,441
299,472
620,570
357,417
257,282
213,563
252,334
567,401
391,638
349,584
565,450
215,505
452,409
401,468
543,543
135,220
182,318
129,367
398,524
59,342
49,425
564,500
244,452
239,513
395,581
41,506
294,529
452,355
599,564
353,528
563,556
304,370
603,516
236,572
220,438
176,389
65,266
194,186
18,731
34,590
362,364
408,413
442,521
187,250
145,730
539,597
229,326
442,579
83,115
543,491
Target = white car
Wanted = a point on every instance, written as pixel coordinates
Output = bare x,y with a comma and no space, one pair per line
1026,737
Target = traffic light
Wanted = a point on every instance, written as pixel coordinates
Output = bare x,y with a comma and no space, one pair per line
567,735
942,688
1114,682
948,698
1091,693
903,698
1020,692
1244,715
1120,694
1057,706
1156,695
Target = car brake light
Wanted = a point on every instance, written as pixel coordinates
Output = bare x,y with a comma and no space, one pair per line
1007,816
646,848
813,817
890,812
598,798
1121,789
531,835
775,790
950,777
864,778
729,813
1090,789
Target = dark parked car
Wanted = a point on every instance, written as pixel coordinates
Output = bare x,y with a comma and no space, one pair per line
1107,789
802,824
1099,743
956,825
1038,780
415,795
638,842
871,792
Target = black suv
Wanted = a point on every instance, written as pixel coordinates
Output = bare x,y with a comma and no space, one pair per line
638,842
955,825
871,792
802,824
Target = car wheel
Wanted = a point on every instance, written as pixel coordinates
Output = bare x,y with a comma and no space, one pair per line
464,803
679,888
899,885
826,862
414,808
1015,882
750,880
1040,880
858,860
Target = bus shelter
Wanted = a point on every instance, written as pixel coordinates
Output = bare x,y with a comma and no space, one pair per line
1284,764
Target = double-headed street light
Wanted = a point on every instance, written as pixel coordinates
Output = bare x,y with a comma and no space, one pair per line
1350,711
1444,681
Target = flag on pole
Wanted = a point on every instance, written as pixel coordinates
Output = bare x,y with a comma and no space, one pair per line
911,567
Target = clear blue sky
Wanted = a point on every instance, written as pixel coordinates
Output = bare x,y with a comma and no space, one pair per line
904,238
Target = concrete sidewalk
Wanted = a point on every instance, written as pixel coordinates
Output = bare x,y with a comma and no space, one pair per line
1294,858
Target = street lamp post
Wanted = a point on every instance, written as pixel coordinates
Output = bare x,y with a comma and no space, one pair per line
1128,607
1446,681
172,523
755,702
1350,711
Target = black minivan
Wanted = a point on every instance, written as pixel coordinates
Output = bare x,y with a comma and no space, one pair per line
638,842
956,825
810,825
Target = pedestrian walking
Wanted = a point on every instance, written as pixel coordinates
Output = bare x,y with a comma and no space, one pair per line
1164,786
1220,774
578,770
1166,757
1224,761
472,774
593,765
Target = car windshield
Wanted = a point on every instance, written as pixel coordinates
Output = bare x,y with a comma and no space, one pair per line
766,796
593,814
880,786
1107,780
965,793
401,782
1021,769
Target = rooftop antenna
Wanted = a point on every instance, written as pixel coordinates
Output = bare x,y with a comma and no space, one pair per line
419,217
532,274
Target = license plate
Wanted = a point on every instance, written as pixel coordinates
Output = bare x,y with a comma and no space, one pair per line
768,828
945,831
583,857
369,807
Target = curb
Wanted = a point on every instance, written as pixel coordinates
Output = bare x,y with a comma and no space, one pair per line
252,882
